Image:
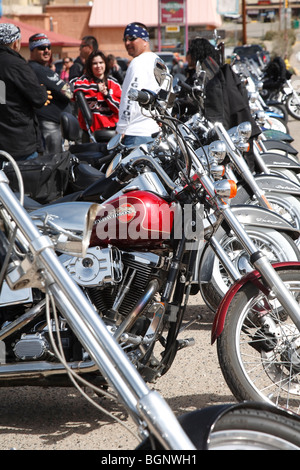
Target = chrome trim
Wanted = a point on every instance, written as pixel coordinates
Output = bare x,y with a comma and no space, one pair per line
277,184
68,224
41,369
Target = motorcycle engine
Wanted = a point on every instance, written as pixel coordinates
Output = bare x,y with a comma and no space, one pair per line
32,347
114,280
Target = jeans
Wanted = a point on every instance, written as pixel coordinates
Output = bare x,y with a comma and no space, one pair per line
51,135
135,140
29,157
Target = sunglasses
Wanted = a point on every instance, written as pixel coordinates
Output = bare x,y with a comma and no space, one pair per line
66,61
130,38
43,48
83,45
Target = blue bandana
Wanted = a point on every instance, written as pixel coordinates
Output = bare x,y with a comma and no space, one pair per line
136,31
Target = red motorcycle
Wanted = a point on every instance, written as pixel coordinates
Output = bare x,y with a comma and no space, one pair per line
32,262
138,267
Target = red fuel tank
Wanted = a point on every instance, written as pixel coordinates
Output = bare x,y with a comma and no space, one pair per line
138,219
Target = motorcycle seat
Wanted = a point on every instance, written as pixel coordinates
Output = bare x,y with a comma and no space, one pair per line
69,126
94,159
104,135
85,175
87,148
31,205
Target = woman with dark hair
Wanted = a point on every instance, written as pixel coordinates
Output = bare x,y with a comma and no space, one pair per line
102,93
201,48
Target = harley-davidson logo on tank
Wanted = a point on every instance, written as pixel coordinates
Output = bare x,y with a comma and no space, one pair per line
140,218
125,213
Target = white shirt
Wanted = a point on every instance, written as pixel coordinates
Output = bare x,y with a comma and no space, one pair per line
140,74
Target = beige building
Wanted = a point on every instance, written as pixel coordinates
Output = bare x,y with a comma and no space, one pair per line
106,19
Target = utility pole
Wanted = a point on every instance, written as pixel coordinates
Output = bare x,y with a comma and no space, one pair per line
244,16
286,6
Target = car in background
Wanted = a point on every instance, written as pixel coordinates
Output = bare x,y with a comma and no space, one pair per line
252,51
167,57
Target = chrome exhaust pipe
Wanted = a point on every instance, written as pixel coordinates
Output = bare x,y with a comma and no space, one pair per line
41,369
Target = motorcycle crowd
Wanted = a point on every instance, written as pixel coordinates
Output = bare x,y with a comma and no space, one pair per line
96,277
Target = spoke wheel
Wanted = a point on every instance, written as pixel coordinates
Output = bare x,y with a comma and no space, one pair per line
276,124
259,348
287,206
278,247
293,106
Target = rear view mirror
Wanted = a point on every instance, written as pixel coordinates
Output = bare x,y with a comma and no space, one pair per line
160,71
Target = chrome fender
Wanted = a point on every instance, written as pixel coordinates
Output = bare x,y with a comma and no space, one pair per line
277,184
262,217
276,160
254,276
248,216
68,224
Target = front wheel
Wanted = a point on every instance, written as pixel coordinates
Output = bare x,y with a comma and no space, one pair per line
281,110
245,426
276,124
259,348
293,106
277,246
254,429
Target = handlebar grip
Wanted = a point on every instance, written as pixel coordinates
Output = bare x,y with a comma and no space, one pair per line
185,86
143,97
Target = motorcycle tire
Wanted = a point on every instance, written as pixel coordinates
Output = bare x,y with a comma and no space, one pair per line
259,353
276,245
276,124
293,107
254,429
247,426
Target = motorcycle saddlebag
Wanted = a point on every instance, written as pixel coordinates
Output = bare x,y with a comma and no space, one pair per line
45,178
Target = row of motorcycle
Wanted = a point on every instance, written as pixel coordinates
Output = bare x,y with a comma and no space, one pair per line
95,285
281,95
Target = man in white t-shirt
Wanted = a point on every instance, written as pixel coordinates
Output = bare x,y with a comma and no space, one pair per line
133,124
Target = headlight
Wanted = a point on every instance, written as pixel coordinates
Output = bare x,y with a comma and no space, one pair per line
253,96
245,130
261,117
217,150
